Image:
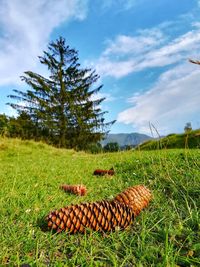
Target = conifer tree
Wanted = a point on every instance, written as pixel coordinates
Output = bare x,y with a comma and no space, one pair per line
62,106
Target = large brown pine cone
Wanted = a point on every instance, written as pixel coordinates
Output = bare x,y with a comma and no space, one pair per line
98,216
103,215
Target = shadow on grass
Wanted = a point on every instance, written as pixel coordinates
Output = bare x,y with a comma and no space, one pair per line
42,223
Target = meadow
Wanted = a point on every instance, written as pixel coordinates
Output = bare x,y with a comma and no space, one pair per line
166,233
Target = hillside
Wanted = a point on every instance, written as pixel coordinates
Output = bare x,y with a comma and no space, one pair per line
190,140
124,139
166,233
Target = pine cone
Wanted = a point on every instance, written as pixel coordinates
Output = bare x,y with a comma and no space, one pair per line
79,190
99,216
136,197
103,215
103,172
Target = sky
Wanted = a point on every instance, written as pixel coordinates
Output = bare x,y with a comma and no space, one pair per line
140,49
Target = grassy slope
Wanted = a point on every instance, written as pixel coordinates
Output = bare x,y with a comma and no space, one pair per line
165,234
189,140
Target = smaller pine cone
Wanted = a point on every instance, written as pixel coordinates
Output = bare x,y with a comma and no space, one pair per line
103,172
99,216
79,190
136,197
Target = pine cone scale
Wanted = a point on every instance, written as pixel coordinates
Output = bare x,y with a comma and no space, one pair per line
61,215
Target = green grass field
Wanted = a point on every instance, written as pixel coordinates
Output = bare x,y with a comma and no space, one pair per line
185,140
167,233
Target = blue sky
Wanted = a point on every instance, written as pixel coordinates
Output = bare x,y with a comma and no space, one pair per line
140,49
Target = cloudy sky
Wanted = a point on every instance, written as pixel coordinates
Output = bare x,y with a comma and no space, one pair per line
140,49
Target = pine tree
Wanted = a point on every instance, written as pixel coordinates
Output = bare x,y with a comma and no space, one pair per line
62,106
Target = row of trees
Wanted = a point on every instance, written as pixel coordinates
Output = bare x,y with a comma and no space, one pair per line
62,109
24,128
21,127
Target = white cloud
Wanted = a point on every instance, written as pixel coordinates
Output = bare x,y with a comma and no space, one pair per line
25,30
118,69
149,49
124,44
196,24
174,100
177,48
108,97
123,54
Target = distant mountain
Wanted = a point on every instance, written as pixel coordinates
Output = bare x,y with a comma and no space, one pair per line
124,139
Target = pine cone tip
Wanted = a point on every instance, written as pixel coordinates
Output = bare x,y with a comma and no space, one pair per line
136,197
79,190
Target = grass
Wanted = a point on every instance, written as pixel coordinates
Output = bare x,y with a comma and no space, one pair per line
184,140
167,233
